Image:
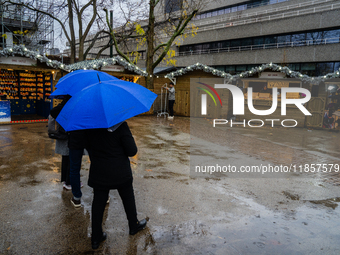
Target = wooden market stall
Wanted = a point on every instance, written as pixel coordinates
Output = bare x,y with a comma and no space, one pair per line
262,95
26,84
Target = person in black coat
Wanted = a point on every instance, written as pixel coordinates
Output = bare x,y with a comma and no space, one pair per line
109,151
61,147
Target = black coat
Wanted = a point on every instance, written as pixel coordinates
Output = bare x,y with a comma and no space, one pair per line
109,151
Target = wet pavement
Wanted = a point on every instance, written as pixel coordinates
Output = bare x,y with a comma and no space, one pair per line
188,215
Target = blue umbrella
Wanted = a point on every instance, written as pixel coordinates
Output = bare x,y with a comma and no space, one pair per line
77,80
105,104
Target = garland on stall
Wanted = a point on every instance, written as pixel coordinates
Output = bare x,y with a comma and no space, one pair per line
99,63
88,64
255,70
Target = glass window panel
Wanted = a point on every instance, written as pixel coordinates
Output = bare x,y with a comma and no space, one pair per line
270,42
203,15
225,44
234,9
230,68
208,14
246,42
242,7
198,16
258,41
308,66
214,13
324,68
241,68
249,67
283,38
332,36
298,39
206,46
235,43
221,68
198,47
220,12
294,67
270,39
336,66
227,10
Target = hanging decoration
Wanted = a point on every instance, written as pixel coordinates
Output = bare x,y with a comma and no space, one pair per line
88,64
99,63
256,70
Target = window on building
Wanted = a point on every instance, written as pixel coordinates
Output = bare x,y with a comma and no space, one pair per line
258,42
172,5
242,7
227,10
235,43
214,13
332,36
324,68
203,15
240,69
270,42
230,69
234,9
221,12
246,44
294,67
225,44
336,66
283,40
209,14
298,39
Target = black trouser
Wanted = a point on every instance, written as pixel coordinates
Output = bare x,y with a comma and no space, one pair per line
98,206
65,169
171,107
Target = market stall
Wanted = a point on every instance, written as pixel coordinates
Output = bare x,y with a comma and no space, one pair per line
26,85
262,95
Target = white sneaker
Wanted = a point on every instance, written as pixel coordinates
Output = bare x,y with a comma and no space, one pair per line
67,187
171,117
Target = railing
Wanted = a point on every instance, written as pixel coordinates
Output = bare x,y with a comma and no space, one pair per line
279,9
262,46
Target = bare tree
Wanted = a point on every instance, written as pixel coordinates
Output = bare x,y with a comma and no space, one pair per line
76,19
163,23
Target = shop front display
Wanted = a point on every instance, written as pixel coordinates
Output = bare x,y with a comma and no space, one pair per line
27,91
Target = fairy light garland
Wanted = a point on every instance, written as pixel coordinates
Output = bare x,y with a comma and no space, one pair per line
99,63
274,67
86,65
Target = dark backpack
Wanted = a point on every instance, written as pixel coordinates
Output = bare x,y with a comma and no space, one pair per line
55,131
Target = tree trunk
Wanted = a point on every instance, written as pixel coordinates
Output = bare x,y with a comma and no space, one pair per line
150,46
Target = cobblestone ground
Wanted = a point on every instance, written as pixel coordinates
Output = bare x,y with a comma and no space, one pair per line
206,214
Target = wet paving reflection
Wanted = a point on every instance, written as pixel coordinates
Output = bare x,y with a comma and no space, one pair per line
210,215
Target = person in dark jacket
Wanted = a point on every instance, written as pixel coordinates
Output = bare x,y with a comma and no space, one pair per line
109,151
62,148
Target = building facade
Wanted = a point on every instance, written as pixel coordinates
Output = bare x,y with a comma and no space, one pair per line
234,36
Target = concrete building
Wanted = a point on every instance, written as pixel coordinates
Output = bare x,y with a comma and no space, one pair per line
238,35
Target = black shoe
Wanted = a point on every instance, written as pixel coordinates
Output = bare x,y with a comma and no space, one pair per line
140,226
95,244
